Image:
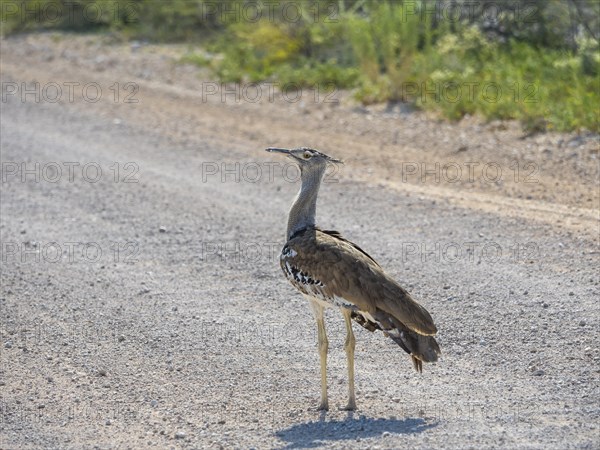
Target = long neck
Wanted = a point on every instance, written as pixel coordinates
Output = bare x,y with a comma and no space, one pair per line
304,208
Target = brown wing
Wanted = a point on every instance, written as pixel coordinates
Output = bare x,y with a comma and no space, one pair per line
347,272
337,235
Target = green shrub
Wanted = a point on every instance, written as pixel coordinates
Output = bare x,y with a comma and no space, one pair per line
540,72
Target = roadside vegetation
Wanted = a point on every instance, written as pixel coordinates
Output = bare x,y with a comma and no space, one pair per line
536,61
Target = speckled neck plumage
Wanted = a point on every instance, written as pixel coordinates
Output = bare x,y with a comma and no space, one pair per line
304,208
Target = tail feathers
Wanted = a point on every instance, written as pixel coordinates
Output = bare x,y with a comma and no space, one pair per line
421,348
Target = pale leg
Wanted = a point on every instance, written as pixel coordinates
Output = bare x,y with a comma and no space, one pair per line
349,347
323,347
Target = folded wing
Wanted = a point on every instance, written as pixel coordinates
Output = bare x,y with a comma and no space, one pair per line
339,269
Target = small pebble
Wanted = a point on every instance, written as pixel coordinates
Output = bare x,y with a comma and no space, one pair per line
162,229
539,373
8,344
180,435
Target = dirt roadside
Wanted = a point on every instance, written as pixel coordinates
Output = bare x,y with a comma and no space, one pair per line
552,177
188,341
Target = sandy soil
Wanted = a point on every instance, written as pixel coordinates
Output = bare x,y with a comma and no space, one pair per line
142,304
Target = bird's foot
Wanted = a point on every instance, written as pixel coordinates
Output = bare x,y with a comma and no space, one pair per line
351,406
324,406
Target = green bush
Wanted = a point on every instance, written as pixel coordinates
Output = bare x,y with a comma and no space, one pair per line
511,81
388,52
538,63
75,15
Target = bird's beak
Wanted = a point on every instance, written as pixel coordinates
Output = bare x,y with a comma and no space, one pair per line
288,152
285,151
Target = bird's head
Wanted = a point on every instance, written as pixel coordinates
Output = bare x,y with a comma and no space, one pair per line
309,160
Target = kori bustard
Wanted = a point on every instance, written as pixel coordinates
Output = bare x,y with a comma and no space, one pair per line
334,272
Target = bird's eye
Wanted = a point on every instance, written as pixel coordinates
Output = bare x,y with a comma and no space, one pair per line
307,155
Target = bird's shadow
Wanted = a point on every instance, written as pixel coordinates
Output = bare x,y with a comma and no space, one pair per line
312,434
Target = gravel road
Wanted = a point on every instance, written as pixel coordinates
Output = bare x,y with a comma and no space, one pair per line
142,303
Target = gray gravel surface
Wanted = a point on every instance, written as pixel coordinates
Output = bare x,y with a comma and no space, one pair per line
145,308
